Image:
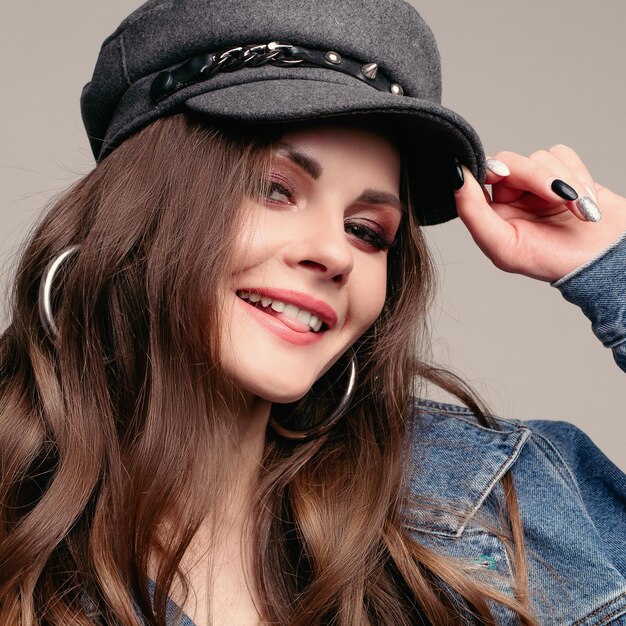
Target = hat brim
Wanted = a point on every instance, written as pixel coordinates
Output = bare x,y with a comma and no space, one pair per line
433,135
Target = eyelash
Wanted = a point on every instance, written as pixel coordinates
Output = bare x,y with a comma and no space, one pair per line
368,235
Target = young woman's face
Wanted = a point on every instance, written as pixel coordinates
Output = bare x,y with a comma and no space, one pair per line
310,270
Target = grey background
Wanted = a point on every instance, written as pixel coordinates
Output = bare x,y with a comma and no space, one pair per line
527,75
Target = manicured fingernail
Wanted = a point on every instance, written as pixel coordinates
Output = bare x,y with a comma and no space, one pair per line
589,209
497,167
457,175
563,190
592,193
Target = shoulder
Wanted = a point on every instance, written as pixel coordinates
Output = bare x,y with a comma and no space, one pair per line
454,457
571,499
559,439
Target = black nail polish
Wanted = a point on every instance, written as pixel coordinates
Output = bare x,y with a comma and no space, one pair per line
457,175
563,190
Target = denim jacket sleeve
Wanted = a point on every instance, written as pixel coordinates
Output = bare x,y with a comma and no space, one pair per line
599,289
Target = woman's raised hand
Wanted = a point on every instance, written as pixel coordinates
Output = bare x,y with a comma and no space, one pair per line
527,228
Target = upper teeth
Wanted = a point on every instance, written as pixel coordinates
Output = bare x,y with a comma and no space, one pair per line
290,311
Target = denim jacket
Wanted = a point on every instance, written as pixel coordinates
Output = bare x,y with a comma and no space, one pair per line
572,499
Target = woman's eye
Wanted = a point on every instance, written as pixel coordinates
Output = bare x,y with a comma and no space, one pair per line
276,190
369,236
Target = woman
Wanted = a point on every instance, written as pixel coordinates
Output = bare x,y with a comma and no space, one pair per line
208,381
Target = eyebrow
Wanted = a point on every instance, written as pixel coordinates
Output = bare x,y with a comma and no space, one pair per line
314,169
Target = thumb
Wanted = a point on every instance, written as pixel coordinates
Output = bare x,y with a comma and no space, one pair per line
490,231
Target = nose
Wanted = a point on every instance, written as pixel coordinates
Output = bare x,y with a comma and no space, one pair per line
322,246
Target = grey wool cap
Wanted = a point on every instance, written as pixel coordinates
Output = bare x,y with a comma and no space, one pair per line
263,62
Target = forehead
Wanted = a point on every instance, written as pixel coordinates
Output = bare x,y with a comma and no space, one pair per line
349,147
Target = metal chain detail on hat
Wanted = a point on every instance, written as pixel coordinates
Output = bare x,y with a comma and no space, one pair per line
203,67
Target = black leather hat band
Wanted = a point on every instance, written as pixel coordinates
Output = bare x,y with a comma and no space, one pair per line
205,66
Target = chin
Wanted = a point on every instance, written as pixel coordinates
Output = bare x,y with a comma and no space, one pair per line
281,392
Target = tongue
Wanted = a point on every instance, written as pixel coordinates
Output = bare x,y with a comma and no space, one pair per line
293,324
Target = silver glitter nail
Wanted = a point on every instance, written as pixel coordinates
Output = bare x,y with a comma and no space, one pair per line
498,167
589,209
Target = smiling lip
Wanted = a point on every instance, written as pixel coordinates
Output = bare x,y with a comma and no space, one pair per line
279,328
302,300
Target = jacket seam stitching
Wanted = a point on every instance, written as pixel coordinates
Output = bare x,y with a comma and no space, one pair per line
618,611
461,416
602,607
460,413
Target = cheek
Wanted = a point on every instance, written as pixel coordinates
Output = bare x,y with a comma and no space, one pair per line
370,290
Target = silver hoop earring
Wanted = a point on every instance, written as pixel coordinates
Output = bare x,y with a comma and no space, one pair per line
331,420
45,290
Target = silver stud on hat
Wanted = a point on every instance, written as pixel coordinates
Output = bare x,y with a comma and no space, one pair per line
332,57
370,70
396,89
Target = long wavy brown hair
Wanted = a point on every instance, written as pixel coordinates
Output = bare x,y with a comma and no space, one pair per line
124,420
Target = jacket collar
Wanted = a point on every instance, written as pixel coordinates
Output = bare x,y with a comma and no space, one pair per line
455,463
